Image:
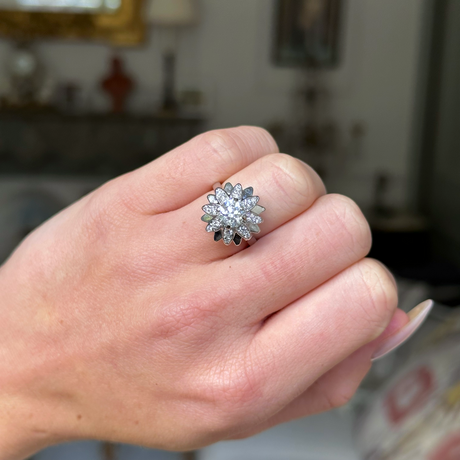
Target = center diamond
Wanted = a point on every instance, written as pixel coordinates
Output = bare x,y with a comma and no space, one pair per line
232,212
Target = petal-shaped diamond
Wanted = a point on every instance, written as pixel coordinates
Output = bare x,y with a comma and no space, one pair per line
237,192
212,199
215,224
212,209
253,218
244,232
221,196
228,188
228,235
248,203
253,228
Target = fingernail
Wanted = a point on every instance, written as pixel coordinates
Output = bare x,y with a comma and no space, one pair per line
416,318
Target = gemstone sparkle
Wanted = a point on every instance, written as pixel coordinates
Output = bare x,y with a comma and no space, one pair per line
232,213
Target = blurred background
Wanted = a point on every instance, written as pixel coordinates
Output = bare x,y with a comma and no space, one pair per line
366,91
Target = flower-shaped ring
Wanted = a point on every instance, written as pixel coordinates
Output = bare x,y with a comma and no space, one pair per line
233,214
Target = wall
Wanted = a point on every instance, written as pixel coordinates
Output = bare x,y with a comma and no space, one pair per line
378,85
228,57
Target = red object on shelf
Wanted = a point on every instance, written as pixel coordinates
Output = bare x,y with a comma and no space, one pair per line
118,85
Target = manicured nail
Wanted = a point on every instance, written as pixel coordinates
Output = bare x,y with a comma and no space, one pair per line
416,318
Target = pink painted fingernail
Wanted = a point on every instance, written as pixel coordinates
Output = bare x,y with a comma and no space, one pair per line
416,318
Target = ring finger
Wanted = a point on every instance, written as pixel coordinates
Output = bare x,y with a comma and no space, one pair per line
286,187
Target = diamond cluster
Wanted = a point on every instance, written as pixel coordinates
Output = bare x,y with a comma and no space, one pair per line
233,214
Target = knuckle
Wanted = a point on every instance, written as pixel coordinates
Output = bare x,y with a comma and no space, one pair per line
102,213
231,146
124,196
218,143
378,295
261,135
346,214
96,215
236,393
292,179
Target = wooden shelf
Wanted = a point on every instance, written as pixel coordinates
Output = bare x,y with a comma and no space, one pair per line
48,142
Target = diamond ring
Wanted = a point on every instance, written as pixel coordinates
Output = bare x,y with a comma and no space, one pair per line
233,214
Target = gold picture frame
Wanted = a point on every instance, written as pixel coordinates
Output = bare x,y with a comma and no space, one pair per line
125,26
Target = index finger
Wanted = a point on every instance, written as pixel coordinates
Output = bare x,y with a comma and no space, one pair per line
187,172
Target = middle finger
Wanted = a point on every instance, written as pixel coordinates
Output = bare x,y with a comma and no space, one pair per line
296,258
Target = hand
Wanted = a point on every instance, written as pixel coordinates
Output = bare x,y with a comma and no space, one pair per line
123,320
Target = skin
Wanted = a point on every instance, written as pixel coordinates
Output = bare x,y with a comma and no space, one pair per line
123,320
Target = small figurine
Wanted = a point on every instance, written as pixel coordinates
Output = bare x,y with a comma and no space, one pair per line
118,85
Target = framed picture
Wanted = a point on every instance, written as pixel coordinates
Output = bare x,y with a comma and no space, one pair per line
307,33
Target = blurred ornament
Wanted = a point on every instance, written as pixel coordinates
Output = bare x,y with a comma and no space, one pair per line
24,62
46,92
71,98
191,101
170,16
417,414
118,85
28,84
